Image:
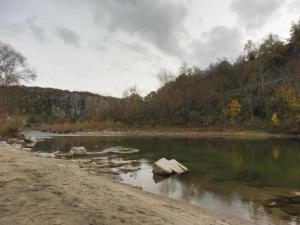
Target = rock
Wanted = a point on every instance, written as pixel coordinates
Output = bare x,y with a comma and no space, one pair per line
30,139
15,141
30,142
26,149
61,155
19,146
115,171
157,178
177,167
272,203
30,145
78,151
119,150
127,169
164,166
68,155
45,155
57,153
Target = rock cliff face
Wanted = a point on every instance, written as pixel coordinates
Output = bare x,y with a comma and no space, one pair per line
46,104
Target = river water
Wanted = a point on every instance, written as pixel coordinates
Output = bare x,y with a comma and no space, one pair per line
258,180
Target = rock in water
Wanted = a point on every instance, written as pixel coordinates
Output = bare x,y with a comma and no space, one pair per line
177,167
78,151
164,166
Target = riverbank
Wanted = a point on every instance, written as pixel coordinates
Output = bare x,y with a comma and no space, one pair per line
40,191
187,134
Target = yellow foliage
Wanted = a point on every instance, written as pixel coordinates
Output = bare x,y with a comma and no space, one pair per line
275,119
235,108
290,97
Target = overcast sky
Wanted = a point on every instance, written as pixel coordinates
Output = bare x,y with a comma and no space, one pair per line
106,46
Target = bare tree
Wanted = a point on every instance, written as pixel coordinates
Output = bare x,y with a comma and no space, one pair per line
164,76
13,67
130,91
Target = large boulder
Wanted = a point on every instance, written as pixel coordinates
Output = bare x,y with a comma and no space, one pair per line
162,166
78,151
166,167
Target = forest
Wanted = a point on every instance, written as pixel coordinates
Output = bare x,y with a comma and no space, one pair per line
260,90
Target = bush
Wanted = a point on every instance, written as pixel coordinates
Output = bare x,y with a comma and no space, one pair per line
11,126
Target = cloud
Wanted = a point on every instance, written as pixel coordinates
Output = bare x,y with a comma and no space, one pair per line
21,28
295,5
255,14
218,42
137,48
158,22
12,29
37,31
68,36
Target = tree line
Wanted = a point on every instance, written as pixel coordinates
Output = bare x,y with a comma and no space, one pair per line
260,89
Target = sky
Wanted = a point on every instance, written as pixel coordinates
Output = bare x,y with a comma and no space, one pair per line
107,46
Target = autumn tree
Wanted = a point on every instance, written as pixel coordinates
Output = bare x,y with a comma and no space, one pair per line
275,120
235,109
290,98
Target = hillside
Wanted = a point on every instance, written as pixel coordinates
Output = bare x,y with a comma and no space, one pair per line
48,105
260,90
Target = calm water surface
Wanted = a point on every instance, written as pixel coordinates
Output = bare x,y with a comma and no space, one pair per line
252,179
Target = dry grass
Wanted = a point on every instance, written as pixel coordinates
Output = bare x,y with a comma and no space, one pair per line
81,127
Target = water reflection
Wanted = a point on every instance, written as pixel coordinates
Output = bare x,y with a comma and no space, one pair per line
237,177
177,187
276,152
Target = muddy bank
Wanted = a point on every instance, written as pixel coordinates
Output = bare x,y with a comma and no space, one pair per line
38,191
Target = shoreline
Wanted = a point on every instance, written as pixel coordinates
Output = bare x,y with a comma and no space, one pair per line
185,134
67,194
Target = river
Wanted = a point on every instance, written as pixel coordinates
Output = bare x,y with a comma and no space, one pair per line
258,180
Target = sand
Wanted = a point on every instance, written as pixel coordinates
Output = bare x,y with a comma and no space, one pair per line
41,191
